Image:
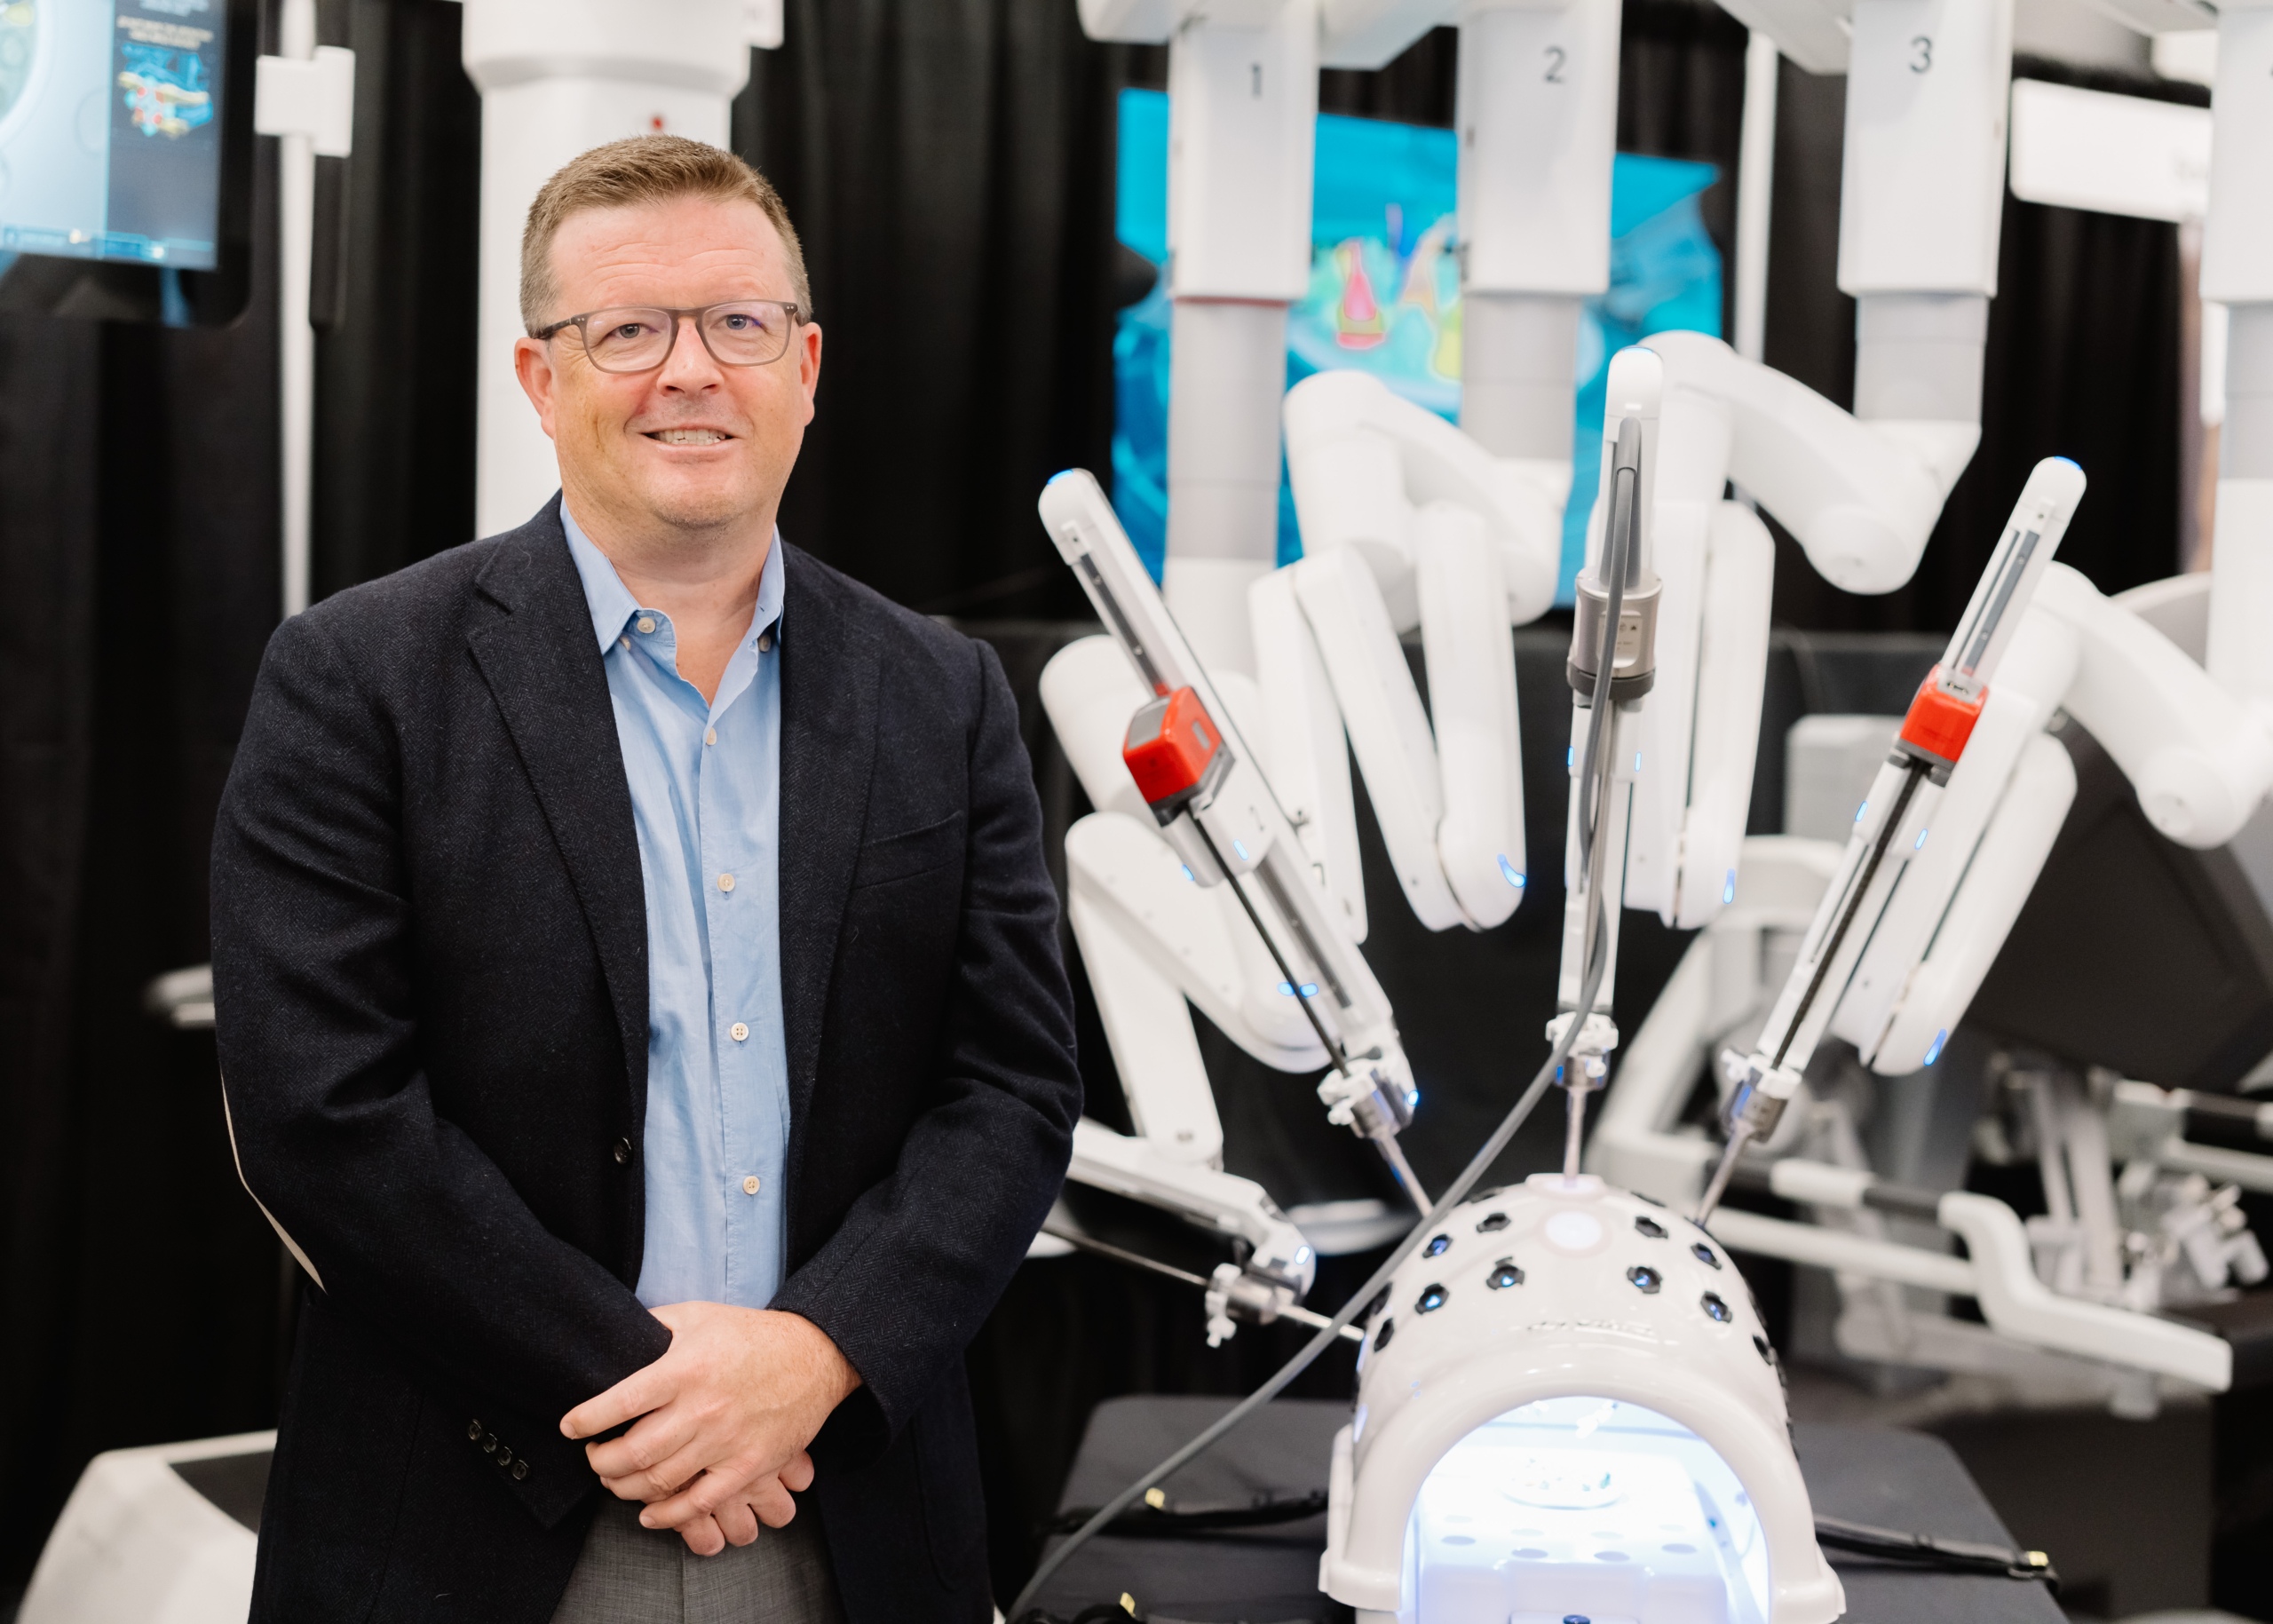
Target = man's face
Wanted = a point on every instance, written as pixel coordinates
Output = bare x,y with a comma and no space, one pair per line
694,445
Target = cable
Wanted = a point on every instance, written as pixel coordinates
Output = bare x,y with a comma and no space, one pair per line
1597,963
1934,1551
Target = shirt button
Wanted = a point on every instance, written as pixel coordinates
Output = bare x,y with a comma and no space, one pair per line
725,882
765,642
750,1185
738,1032
625,641
623,1152
710,736
645,622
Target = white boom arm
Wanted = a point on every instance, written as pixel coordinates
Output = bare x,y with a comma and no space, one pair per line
1405,519
1225,828
2200,759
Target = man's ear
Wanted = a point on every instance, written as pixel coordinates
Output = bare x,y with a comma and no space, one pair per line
539,380
809,363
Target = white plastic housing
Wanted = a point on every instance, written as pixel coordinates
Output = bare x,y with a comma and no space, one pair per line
1860,504
1989,835
1538,117
1231,1206
559,77
2200,760
137,1542
2237,235
1701,730
1227,370
1685,1344
1307,754
1363,462
1922,177
1242,131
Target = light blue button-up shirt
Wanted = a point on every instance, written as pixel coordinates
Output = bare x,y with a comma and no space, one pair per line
706,798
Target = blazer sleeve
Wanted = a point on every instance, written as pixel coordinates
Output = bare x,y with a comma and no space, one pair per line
919,1261
402,1220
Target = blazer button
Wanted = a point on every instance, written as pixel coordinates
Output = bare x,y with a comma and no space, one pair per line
504,1455
473,1432
489,1442
623,1152
521,1471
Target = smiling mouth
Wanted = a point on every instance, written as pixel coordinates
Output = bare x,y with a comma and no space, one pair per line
689,437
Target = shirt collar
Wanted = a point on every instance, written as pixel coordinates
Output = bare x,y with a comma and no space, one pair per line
611,602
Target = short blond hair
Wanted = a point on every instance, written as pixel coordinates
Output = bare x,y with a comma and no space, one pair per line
644,168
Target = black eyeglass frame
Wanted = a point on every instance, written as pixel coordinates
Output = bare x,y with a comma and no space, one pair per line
798,316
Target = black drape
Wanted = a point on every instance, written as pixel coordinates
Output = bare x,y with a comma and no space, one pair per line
138,540
951,164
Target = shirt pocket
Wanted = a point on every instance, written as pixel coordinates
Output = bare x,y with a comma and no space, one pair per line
910,852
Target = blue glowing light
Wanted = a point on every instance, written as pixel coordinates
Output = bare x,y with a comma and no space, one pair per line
1728,889
1920,846
1188,873
1637,761
1239,846
1509,872
1310,989
1935,1053
1412,1100
1859,811
1570,757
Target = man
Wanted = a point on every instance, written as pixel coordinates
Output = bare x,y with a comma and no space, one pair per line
639,1002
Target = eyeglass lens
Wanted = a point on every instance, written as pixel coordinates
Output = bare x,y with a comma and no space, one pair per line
634,338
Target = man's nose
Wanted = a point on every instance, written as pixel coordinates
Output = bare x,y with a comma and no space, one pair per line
690,364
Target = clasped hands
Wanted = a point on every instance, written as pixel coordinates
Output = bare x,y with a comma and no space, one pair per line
723,1420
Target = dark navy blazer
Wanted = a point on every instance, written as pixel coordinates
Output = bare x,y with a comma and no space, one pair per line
430,962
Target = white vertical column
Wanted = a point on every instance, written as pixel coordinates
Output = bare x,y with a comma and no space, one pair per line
296,235
1921,196
1538,125
2237,272
559,77
1242,133
1755,188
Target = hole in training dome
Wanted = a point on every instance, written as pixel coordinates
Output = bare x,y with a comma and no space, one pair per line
1645,1279
1437,1246
1704,1254
1587,1505
1649,1228
1716,1308
1382,1337
1431,1300
1504,1274
1491,1220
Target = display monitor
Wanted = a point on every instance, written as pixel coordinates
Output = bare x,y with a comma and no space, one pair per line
124,130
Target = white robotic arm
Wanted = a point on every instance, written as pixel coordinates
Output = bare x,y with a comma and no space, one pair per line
1203,787
1405,519
2201,761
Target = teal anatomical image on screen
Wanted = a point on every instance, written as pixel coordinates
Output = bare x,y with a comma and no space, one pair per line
1384,295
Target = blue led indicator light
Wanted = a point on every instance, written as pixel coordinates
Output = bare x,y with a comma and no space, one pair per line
1920,846
1859,811
1935,1053
1509,872
1188,873
1239,846
1728,889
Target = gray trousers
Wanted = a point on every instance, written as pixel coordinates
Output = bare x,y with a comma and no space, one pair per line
632,1575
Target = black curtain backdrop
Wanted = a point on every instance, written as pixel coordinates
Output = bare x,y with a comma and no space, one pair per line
950,163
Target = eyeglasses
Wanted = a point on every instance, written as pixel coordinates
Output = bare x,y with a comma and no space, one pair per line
640,337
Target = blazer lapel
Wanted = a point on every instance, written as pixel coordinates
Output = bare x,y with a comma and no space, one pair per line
544,671
828,737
